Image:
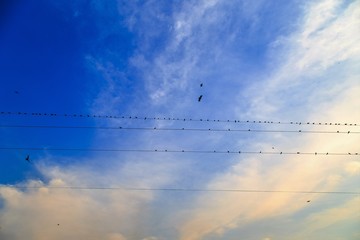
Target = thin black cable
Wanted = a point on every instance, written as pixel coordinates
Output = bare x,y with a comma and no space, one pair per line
177,151
4,113
178,129
179,189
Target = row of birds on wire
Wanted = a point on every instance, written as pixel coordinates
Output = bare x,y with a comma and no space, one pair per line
27,158
155,128
37,114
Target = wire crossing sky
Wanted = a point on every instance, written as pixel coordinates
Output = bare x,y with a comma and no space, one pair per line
182,190
184,120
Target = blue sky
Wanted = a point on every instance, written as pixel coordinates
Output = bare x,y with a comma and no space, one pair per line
258,60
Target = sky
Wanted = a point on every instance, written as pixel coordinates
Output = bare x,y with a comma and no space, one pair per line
131,72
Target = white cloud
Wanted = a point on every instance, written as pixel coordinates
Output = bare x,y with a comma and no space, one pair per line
45,210
303,87
317,61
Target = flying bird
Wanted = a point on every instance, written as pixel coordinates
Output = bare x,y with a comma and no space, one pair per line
16,92
199,99
201,84
27,158
308,200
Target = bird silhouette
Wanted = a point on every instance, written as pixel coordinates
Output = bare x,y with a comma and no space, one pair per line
201,84
27,158
308,200
199,99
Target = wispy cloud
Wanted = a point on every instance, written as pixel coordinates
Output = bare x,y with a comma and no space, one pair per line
196,52
328,218
318,61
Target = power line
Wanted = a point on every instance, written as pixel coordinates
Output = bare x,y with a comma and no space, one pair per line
178,129
178,151
4,113
179,189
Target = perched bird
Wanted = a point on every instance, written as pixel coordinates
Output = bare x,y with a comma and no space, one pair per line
199,99
27,158
201,84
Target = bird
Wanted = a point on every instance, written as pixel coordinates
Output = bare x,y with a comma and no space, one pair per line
201,84
16,92
199,99
27,158
308,201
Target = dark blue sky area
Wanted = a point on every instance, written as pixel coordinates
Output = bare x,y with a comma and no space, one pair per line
44,68
43,52
40,58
